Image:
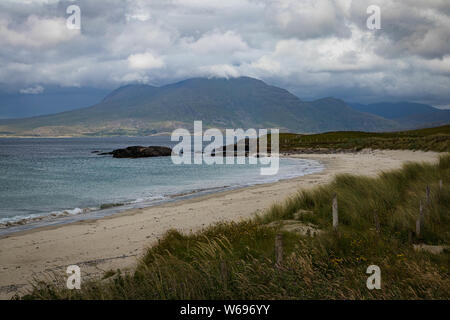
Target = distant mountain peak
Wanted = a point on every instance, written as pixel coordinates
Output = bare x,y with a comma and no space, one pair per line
218,80
128,90
330,99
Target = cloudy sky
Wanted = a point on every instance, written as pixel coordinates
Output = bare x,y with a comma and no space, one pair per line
314,48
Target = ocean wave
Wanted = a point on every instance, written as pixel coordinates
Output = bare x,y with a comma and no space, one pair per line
37,217
42,217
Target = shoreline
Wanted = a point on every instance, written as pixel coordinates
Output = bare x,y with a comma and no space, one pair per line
168,133
118,240
19,224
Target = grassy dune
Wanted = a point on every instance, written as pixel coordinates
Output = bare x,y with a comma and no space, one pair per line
237,260
431,139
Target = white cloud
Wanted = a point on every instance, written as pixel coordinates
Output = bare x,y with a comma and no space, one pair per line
32,90
266,63
36,32
145,61
308,18
133,77
313,48
39,2
222,71
217,43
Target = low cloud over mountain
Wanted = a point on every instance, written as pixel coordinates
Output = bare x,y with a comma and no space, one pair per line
313,48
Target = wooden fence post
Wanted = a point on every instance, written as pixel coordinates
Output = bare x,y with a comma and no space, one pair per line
422,217
335,213
420,222
428,194
279,250
377,221
224,273
440,185
418,228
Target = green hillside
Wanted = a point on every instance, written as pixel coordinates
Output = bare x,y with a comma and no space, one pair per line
223,103
430,139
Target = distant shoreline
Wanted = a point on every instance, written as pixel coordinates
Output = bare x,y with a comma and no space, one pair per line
81,136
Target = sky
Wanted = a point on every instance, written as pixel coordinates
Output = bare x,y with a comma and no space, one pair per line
313,48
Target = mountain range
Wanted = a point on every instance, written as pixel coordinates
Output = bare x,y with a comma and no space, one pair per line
224,103
407,114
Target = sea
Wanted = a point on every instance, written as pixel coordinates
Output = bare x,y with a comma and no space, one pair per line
61,180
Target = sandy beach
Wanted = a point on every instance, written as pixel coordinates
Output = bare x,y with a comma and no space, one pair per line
119,240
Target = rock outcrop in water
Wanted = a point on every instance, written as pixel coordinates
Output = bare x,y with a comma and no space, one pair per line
140,152
222,152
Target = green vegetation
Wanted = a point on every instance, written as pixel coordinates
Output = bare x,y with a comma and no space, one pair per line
432,139
237,260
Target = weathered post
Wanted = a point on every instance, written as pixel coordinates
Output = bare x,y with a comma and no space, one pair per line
377,221
440,185
335,213
420,222
224,273
422,217
418,228
278,250
428,194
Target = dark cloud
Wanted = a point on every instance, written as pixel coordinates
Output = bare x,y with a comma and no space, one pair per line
314,48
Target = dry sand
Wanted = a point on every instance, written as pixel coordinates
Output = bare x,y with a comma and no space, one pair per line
119,240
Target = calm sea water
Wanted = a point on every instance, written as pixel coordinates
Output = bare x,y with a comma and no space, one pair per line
62,177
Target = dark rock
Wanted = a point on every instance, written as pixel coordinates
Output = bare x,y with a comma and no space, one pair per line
110,205
141,152
221,152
